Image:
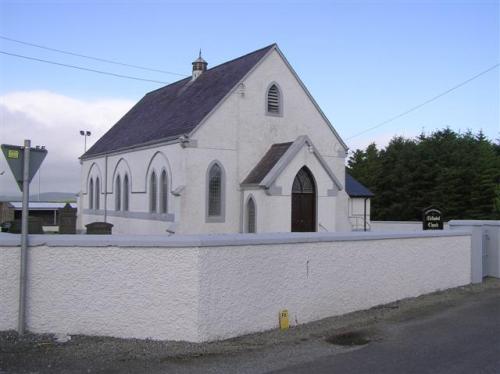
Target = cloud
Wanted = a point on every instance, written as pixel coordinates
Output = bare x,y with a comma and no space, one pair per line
55,121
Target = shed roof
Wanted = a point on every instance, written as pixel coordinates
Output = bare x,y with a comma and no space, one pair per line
39,205
354,188
176,109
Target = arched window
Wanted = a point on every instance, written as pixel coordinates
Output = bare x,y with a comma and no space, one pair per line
215,193
125,193
152,193
91,194
118,193
251,217
163,192
303,182
97,194
274,105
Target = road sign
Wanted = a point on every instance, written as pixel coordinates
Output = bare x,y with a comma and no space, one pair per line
14,154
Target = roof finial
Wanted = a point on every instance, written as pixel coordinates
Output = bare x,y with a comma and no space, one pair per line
199,55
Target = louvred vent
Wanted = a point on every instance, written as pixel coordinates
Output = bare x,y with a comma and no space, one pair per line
273,100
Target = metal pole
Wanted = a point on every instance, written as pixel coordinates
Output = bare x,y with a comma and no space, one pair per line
105,188
364,215
39,177
24,238
85,144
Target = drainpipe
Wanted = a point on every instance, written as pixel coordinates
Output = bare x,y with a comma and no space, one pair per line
364,215
106,188
242,207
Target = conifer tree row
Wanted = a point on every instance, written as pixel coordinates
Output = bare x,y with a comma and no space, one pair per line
458,173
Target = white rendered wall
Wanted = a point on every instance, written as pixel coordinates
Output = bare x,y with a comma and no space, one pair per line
244,288
487,243
9,286
357,207
199,288
120,292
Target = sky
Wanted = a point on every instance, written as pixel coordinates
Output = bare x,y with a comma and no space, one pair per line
363,61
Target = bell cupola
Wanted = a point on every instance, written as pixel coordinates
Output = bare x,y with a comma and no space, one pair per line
199,66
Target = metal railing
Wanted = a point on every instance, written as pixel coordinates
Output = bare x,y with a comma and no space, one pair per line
358,223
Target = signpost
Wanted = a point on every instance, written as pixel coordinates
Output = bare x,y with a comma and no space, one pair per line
432,219
24,163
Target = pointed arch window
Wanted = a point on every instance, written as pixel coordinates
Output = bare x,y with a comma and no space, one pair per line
153,190
251,216
163,192
91,194
215,193
97,193
274,105
125,193
118,193
303,182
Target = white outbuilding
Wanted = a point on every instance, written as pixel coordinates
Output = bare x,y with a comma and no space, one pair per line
240,147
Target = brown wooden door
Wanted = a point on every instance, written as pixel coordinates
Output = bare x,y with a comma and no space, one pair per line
303,202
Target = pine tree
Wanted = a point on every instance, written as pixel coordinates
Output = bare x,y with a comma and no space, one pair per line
458,173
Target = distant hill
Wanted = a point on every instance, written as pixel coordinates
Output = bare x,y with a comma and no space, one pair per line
45,196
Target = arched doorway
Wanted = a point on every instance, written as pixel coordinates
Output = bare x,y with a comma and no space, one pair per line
304,201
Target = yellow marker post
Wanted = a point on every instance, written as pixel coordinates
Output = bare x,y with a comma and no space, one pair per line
283,318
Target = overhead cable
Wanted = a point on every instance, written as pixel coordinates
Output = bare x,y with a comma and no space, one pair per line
412,109
90,57
82,68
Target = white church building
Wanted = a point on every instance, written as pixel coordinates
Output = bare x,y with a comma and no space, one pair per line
240,147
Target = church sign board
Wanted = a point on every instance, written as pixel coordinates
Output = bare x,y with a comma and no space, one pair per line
432,219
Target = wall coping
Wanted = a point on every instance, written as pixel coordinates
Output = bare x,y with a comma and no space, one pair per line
399,222
458,222
216,240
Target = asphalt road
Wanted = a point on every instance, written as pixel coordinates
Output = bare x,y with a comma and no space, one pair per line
465,339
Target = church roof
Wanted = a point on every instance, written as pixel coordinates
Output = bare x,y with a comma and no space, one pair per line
266,163
174,110
277,158
354,188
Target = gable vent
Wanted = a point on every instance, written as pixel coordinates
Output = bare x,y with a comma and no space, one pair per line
273,100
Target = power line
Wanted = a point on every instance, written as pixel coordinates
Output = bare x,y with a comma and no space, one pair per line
426,102
90,57
82,68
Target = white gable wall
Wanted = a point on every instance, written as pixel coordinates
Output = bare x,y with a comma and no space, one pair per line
240,126
258,131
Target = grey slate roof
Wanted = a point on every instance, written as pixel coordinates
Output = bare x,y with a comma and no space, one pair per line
176,109
266,163
354,188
